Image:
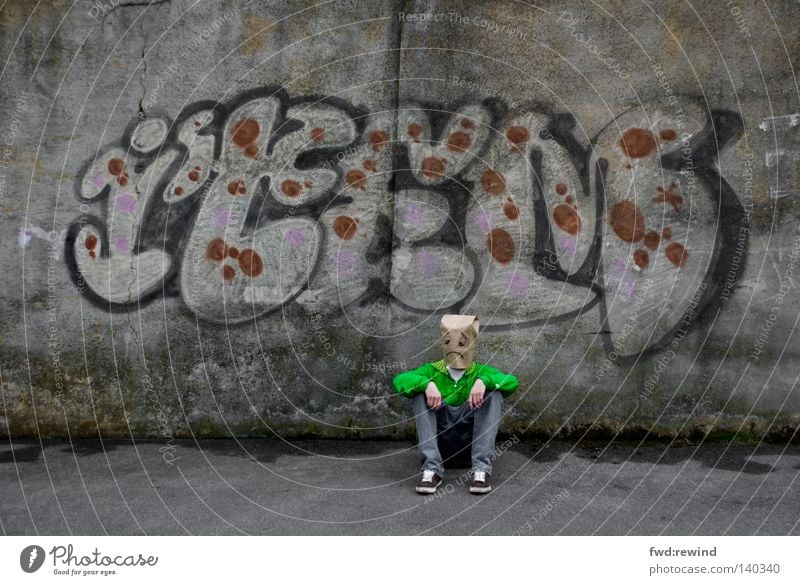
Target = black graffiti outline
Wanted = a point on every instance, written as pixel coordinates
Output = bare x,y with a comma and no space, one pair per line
183,212
722,127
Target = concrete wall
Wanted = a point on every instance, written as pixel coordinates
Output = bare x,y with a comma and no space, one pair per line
245,218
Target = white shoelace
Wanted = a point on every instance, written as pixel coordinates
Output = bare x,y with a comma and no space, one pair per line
479,476
427,475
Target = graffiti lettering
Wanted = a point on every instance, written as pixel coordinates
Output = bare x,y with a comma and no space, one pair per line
245,206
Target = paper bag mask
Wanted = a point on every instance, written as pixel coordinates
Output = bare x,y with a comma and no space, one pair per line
459,335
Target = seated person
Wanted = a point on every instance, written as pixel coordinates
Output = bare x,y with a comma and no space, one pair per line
451,393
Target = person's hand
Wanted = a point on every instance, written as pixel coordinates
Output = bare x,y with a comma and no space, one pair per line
476,394
433,396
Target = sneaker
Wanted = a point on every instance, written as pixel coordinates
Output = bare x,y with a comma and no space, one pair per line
429,482
480,483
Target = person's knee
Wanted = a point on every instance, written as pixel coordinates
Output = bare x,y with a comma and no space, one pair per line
419,402
494,396
419,406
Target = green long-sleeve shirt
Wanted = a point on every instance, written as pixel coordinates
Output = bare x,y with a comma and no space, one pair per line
453,393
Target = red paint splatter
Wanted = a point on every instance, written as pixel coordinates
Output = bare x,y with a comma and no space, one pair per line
467,123
216,250
370,165
671,196
567,219
511,210
237,187
651,240
415,130
250,262
458,142
178,191
677,254
251,150
628,221
245,132
291,188
92,254
501,245
641,258
356,179
345,227
666,233
493,182
561,189
518,135
317,134
116,166
228,272
668,134
638,142
308,184
90,242
233,252
569,199
433,167
194,176
378,139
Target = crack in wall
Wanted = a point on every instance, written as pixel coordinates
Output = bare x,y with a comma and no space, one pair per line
141,113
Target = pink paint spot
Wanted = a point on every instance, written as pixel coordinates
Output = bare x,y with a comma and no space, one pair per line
629,288
518,285
295,236
122,245
126,202
413,214
617,268
484,219
98,182
346,262
221,217
569,244
427,262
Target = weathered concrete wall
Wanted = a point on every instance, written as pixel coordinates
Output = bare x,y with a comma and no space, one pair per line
245,218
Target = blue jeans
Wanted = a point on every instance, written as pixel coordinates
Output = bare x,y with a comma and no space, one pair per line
485,422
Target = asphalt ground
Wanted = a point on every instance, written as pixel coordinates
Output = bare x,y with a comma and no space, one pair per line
335,487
